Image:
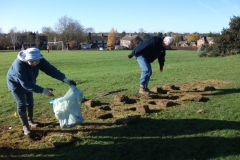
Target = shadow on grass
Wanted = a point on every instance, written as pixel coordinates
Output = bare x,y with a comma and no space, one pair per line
224,91
149,139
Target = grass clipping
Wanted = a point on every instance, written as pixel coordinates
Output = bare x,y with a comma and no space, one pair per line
58,140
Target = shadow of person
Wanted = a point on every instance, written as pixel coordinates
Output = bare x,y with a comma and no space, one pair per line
170,139
148,139
224,91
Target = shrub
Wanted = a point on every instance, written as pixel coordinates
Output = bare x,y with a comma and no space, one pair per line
227,43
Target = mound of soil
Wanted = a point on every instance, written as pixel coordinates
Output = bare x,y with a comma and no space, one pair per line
122,110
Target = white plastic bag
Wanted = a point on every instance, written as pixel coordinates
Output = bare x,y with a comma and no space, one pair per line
67,108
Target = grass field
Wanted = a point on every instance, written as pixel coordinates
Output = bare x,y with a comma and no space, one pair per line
171,133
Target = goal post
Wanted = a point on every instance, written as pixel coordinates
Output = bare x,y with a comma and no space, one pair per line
57,45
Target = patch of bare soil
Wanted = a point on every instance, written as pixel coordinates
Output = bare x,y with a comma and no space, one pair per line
200,85
122,110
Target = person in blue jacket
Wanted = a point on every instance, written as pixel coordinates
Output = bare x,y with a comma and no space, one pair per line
21,81
146,52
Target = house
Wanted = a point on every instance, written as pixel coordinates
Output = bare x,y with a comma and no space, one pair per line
129,41
29,39
204,40
100,40
192,44
183,43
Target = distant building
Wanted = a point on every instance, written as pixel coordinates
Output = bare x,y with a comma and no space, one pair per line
100,40
128,41
204,40
183,43
29,39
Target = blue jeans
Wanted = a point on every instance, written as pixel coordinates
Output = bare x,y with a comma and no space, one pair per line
146,71
23,100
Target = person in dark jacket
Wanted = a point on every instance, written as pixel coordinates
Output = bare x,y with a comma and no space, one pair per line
21,81
146,52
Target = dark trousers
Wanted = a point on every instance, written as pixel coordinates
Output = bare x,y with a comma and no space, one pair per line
23,100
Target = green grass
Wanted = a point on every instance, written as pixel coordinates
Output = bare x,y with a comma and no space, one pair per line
177,132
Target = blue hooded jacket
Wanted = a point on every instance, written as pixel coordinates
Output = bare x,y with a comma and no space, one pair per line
22,77
151,49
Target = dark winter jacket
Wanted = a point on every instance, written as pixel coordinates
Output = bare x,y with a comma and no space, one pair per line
23,77
151,49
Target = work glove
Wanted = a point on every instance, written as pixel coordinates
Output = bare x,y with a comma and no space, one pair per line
47,91
69,81
130,56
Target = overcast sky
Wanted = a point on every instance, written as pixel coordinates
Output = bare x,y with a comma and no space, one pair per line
202,16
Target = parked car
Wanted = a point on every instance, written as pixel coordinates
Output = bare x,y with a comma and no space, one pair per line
85,46
119,47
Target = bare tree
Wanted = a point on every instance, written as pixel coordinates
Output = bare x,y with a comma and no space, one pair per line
89,30
141,33
123,34
75,31
13,36
1,34
37,41
50,33
69,29
1,38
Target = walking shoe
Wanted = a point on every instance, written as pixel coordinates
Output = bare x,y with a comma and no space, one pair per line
30,118
26,130
32,123
144,91
25,126
147,89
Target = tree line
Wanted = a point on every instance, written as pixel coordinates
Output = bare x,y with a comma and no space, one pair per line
72,32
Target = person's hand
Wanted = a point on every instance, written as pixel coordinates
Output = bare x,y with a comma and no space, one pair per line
130,56
70,82
161,69
48,91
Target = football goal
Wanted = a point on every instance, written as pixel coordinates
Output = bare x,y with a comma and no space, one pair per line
57,46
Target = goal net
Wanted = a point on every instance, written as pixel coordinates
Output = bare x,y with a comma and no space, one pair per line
57,46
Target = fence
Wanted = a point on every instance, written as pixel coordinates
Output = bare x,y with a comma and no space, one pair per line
184,48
